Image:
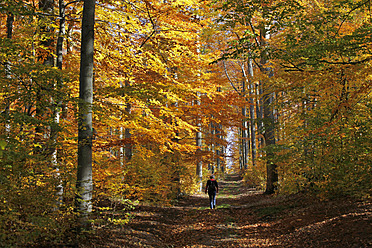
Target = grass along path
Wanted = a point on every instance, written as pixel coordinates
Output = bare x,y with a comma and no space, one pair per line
244,218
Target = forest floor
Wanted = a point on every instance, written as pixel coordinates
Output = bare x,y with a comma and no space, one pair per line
244,218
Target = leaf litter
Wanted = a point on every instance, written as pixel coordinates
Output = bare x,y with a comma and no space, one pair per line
245,217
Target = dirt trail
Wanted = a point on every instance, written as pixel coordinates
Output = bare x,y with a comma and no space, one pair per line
244,218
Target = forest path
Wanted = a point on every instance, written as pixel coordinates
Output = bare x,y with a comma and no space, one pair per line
244,218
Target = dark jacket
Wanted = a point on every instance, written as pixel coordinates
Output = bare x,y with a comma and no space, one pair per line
209,183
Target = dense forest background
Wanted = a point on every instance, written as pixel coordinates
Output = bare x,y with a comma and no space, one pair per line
173,91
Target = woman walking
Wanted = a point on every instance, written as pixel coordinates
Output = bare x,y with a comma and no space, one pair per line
212,189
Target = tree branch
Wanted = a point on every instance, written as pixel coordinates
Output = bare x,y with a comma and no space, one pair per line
228,77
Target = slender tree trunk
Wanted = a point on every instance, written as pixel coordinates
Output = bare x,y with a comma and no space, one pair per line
121,149
218,144
61,33
248,141
251,114
219,147
128,149
272,175
176,156
9,26
241,162
268,98
199,163
259,112
223,165
244,138
245,151
58,103
9,35
213,144
84,184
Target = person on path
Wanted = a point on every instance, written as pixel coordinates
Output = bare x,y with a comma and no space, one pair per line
212,189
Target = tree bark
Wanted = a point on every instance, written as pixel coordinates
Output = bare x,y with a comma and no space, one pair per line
58,103
268,98
212,148
44,56
128,149
9,25
61,33
84,184
9,35
245,151
219,145
251,114
199,163
259,112
272,174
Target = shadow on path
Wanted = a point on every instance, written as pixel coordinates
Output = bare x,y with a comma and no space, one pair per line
232,192
244,218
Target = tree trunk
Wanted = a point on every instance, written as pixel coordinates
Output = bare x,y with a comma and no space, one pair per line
251,114
84,184
219,145
272,175
9,25
223,152
213,145
244,139
245,151
241,162
61,33
44,55
259,112
128,149
199,162
268,98
58,103
9,35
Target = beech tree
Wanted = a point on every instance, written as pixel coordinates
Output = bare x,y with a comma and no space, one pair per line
301,73
303,50
323,74
84,183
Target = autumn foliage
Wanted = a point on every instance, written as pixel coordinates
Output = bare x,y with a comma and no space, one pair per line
165,71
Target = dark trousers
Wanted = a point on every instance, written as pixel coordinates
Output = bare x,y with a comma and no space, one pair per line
212,199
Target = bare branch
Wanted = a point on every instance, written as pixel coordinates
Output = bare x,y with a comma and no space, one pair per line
228,77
